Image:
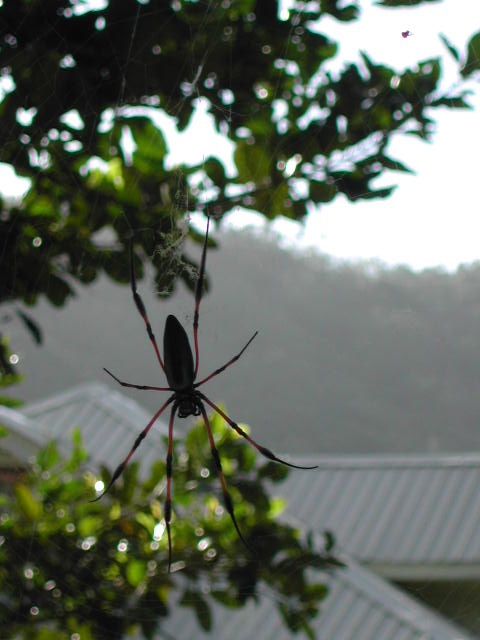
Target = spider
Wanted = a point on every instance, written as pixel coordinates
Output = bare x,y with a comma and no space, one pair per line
186,398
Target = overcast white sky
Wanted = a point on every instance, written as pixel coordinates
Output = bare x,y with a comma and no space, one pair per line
432,218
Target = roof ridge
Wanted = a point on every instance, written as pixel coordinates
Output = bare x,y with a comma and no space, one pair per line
378,460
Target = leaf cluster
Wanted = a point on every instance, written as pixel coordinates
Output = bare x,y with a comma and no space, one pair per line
80,82
100,569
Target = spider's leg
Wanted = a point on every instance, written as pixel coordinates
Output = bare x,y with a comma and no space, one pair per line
118,471
263,450
141,308
227,364
198,297
136,386
168,499
226,495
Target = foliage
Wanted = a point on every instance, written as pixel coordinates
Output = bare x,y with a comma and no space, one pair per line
302,133
8,375
403,3
99,569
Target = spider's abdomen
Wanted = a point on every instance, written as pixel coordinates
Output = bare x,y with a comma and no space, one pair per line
177,355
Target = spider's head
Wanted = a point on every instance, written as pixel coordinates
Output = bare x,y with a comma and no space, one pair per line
187,405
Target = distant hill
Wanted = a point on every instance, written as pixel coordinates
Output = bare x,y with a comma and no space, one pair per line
348,358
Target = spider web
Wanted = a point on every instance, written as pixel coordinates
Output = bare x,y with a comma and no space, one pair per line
217,313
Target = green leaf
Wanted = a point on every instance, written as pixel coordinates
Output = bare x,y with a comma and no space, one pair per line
79,454
402,3
48,457
31,326
89,525
151,148
473,56
394,165
77,437
253,162
329,540
146,520
322,191
27,502
316,592
226,598
215,171
278,196
253,493
378,193
7,379
41,206
453,102
157,471
49,634
193,599
7,401
273,471
450,47
277,506
58,290
135,572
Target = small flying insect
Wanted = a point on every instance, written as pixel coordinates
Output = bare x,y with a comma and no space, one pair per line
406,34
186,398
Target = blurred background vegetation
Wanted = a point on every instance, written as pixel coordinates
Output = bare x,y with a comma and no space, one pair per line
99,569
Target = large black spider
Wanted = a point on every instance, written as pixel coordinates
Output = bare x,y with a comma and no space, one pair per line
187,400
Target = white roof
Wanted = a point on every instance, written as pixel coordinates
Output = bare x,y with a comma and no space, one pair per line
108,421
409,516
359,606
23,440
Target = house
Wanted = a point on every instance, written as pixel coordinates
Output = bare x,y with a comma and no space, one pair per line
408,519
412,519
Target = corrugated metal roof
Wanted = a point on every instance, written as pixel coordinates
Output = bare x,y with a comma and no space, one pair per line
394,509
108,420
23,440
359,606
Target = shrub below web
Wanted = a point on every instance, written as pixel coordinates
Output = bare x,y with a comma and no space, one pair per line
100,569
